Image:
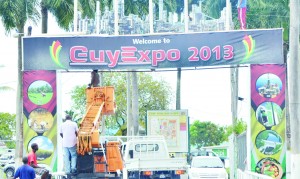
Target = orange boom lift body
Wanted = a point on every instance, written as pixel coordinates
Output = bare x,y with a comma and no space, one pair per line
106,156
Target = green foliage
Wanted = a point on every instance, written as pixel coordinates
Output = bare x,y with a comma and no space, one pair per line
152,95
206,134
75,117
237,129
79,99
15,13
6,88
7,128
261,14
43,154
44,88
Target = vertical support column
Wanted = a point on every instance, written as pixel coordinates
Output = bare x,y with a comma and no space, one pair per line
116,8
75,15
234,99
98,17
151,16
294,88
186,16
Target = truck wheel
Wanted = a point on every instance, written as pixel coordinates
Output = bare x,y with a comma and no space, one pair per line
9,172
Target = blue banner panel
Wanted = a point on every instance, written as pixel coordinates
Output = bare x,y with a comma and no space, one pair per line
154,51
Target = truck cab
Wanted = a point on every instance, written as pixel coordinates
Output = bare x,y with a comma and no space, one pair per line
148,157
150,147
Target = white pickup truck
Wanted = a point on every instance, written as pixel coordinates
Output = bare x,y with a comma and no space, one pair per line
147,157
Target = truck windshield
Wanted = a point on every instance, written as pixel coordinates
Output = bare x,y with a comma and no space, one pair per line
207,163
146,147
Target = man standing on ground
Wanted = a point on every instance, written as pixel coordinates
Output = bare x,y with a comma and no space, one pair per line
32,161
25,171
242,10
69,132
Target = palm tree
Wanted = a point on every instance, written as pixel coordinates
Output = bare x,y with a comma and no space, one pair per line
14,15
63,11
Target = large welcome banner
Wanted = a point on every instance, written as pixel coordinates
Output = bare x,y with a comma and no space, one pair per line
39,107
153,51
268,121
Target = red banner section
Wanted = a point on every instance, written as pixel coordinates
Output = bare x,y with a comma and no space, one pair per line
268,121
39,108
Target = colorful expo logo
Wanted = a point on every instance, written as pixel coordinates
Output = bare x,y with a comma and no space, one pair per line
249,44
54,50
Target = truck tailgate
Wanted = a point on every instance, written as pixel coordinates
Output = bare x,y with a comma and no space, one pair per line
156,165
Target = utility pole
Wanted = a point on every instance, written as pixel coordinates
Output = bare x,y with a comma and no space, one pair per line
234,73
135,103
129,109
294,87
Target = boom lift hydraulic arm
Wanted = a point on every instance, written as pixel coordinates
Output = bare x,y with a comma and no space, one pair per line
100,101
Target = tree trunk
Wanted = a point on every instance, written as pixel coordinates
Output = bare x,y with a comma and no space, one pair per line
44,12
19,103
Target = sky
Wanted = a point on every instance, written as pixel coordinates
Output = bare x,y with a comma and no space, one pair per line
205,93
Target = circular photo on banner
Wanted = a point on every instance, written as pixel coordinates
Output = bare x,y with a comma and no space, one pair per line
40,120
269,114
268,85
40,92
269,167
46,147
268,142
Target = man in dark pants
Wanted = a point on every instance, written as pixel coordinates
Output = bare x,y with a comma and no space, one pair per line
95,81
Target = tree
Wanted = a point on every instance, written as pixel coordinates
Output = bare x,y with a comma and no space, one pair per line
14,15
153,95
260,13
63,11
206,134
7,128
5,88
73,115
238,129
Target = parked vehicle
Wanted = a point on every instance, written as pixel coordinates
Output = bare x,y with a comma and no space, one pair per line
9,169
5,151
207,167
205,152
6,158
148,157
